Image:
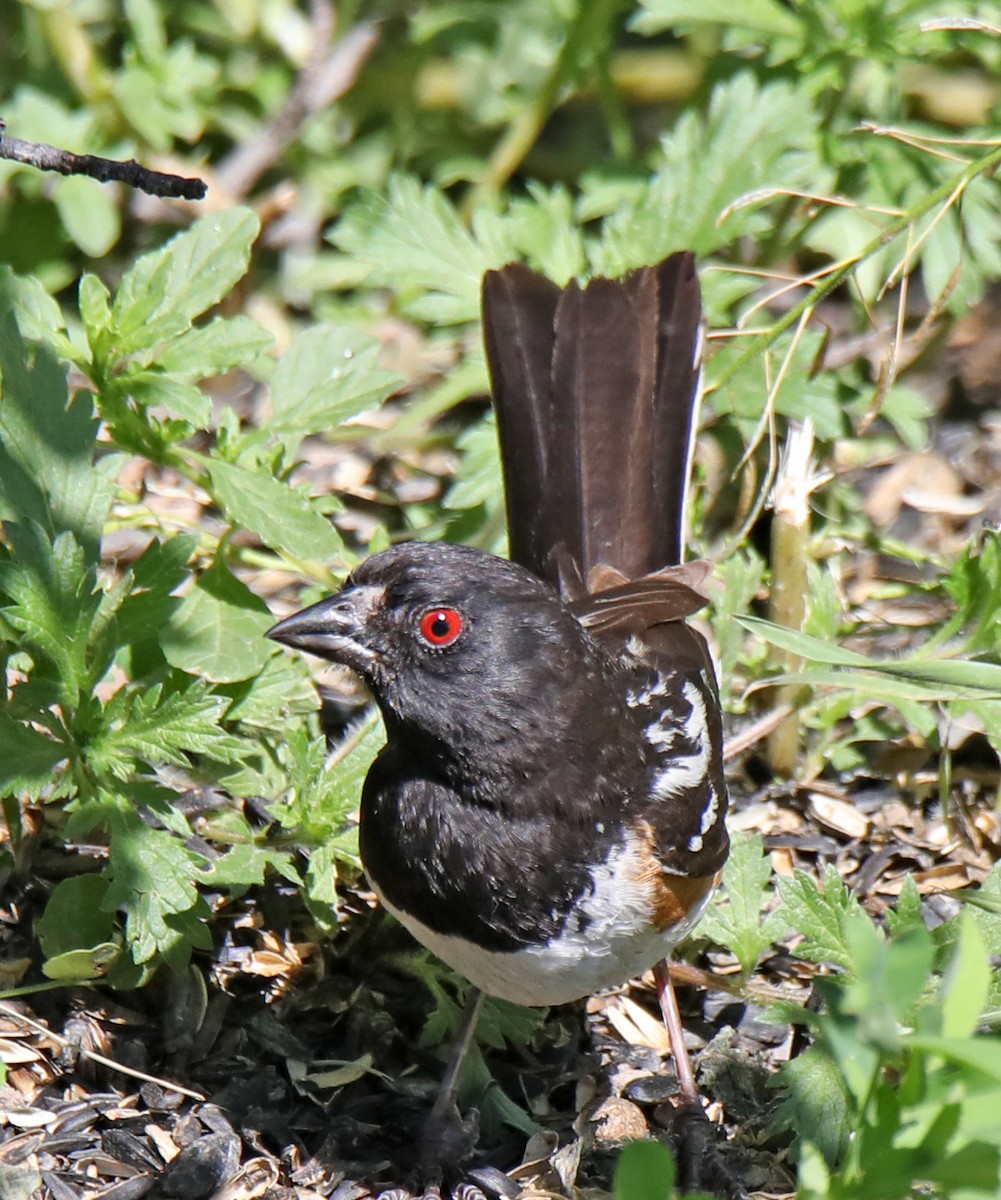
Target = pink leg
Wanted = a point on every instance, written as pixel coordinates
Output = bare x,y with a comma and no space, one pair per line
672,1019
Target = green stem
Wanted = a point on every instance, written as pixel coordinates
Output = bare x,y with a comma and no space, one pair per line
768,337
591,25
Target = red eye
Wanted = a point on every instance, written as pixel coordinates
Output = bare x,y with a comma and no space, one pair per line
441,626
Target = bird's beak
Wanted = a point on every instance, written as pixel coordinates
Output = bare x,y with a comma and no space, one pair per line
336,628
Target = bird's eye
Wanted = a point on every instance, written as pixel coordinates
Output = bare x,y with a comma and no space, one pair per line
441,627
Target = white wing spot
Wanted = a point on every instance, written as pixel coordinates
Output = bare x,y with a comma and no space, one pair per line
690,769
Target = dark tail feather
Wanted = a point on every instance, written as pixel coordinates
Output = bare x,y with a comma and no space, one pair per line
596,391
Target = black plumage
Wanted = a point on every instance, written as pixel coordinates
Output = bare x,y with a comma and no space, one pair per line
565,743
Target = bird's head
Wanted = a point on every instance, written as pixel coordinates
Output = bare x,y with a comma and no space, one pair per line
453,642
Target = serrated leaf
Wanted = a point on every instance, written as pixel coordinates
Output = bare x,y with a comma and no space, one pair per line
29,759
166,290
151,878
95,304
145,725
37,313
246,865
321,885
221,345
283,690
817,1104
52,604
153,577
47,472
908,913
217,633
329,374
820,914
478,479
414,241
739,924
985,907
750,137
281,515
184,400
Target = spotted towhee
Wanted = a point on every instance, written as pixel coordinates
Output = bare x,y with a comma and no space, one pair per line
547,814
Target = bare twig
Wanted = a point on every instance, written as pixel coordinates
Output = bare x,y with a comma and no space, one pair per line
51,158
9,1011
327,74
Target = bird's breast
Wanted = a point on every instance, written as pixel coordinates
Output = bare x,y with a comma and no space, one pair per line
628,918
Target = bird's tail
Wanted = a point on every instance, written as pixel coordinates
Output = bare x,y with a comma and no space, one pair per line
596,391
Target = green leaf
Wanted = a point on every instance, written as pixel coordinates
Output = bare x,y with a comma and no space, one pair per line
478,480
328,375
153,576
966,982
908,913
47,472
89,214
763,16
147,725
283,690
282,516
165,290
981,1054
221,345
644,1171
246,865
821,916
37,314
985,906
82,964
973,678
414,242
327,789
750,137
151,878
183,400
738,924
95,305
52,604
75,932
889,978
218,631
817,1104
74,918
29,758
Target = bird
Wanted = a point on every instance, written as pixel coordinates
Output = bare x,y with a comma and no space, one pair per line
548,812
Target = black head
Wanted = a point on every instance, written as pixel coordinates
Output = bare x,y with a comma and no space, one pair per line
456,644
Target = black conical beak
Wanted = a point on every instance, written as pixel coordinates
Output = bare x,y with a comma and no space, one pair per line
336,628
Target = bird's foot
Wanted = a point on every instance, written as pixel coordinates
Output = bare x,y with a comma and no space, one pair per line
700,1166
446,1143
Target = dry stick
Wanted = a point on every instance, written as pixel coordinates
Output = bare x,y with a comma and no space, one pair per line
787,605
50,158
8,1011
327,74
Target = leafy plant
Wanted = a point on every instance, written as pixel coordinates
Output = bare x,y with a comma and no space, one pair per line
118,673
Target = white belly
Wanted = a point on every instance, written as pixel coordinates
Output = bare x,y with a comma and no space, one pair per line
612,940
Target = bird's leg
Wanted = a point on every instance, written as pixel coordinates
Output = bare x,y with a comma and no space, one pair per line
692,1125
676,1034
446,1140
